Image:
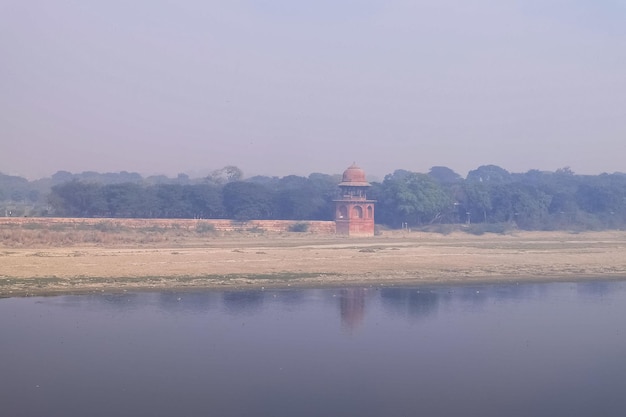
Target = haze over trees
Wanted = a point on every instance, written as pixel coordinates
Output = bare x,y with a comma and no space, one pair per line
489,197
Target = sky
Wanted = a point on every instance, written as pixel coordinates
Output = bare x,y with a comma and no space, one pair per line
280,87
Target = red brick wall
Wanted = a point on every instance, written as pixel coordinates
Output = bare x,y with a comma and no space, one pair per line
315,227
355,227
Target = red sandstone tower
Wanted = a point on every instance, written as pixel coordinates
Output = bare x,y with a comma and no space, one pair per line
354,213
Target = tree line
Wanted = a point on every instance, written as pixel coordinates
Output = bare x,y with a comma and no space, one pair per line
292,197
488,196
535,200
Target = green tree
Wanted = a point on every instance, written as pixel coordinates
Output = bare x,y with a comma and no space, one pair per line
408,197
526,206
78,199
124,200
444,175
225,175
205,201
489,174
246,201
298,199
476,202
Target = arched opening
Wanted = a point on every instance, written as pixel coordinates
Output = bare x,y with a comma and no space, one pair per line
370,212
358,212
342,212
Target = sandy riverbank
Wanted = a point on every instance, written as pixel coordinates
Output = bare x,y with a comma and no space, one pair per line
293,259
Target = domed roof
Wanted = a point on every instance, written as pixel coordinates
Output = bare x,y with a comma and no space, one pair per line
354,177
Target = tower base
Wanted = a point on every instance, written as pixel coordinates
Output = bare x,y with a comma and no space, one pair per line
354,227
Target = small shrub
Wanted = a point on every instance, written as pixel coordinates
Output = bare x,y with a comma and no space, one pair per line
299,227
441,228
107,226
205,228
380,229
498,228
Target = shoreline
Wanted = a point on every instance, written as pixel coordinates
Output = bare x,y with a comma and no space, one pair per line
179,262
122,287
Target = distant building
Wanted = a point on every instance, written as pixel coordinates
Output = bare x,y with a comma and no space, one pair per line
354,213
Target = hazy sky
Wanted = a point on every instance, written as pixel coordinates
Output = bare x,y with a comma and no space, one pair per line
282,87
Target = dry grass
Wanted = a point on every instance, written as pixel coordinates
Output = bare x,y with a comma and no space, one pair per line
57,258
73,232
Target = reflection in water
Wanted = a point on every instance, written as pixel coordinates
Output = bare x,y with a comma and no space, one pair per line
596,288
115,303
241,302
504,350
187,301
417,302
352,306
291,297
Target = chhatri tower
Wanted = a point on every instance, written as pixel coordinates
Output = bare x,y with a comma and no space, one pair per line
354,213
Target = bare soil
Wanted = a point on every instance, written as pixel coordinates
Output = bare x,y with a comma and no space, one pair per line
39,261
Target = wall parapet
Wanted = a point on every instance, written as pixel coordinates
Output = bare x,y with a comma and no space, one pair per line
219,225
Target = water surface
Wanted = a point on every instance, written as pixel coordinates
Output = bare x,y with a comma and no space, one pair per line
500,350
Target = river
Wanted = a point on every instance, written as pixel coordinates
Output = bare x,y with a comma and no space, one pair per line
492,350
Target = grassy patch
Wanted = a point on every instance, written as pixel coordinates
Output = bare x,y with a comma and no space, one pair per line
109,226
497,228
59,227
152,229
31,282
33,226
444,229
278,276
284,276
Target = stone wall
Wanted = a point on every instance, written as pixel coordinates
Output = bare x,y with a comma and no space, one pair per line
275,226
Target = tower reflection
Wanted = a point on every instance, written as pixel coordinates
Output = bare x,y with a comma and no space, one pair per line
352,307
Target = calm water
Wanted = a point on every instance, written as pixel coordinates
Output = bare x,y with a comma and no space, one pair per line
505,350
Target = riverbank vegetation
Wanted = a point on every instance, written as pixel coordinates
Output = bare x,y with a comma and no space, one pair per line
489,199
